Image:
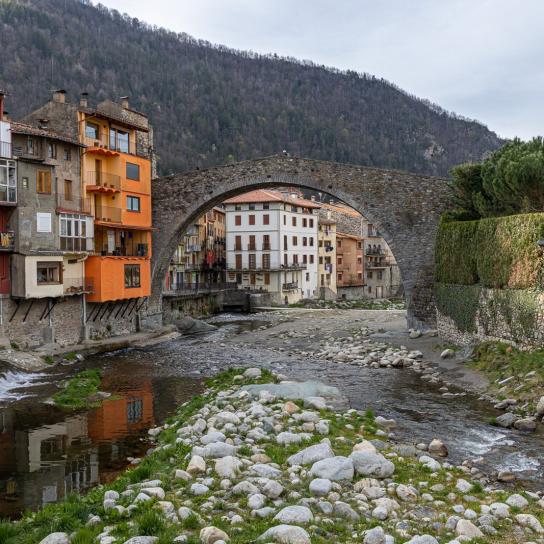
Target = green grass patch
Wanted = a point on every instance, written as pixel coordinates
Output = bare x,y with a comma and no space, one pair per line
80,391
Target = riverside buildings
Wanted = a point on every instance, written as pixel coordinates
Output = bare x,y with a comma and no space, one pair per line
77,234
272,244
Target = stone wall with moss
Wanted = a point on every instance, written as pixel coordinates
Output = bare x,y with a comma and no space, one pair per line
490,280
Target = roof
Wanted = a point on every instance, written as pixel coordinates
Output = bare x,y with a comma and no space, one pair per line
111,110
21,128
327,222
341,208
264,195
345,235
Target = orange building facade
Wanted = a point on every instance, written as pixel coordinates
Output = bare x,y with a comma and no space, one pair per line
116,171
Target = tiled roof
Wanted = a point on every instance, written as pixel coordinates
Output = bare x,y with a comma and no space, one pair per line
21,128
264,195
345,235
341,208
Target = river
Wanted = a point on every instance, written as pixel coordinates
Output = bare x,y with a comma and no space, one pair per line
47,452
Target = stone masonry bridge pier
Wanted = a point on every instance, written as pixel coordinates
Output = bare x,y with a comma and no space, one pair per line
405,208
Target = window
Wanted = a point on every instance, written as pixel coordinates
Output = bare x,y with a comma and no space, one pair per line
267,278
252,206
133,171
43,222
238,259
284,219
311,241
252,261
338,243
8,181
307,276
92,130
266,206
237,220
135,410
238,207
340,260
43,182
266,219
285,242
339,276
369,274
30,147
119,140
266,260
252,279
304,222
359,260
48,272
285,259
67,189
67,154
51,150
132,275
251,219
74,231
304,241
252,245
295,241
295,259
294,221
133,203
311,259
311,223
380,274
238,243
359,275
26,184
359,245
266,242
305,259
320,260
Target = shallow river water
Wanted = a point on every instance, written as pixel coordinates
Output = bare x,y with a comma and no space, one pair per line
46,452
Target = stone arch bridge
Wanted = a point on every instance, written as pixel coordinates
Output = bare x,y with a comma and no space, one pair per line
405,208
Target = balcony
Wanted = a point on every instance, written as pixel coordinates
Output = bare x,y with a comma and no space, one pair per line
266,247
5,149
293,286
77,286
102,182
107,214
77,245
101,145
132,249
7,240
374,251
72,203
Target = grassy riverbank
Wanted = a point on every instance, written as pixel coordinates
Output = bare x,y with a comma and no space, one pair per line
81,391
186,485
512,373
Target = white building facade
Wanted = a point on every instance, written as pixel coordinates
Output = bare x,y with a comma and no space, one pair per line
271,240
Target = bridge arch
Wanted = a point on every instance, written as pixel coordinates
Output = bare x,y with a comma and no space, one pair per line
405,207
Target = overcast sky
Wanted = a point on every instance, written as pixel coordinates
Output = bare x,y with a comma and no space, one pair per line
483,59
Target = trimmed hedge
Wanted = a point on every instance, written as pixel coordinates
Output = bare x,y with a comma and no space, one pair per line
495,252
460,303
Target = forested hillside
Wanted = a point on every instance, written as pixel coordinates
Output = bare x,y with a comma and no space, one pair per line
210,104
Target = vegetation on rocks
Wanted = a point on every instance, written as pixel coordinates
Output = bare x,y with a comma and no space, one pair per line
513,374
370,304
80,391
245,465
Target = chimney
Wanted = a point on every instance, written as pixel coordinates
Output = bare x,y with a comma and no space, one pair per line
83,100
124,102
59,96
42,123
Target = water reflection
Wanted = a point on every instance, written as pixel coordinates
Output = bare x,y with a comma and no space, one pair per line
47,453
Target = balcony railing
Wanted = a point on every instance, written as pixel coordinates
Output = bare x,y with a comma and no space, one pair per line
77,285
132,249
7,240
374,251
266,247
103,180
103,142
73,203
289,286
5,149
198,287
107,214
69,243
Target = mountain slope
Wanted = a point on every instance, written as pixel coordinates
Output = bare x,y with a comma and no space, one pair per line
210,104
